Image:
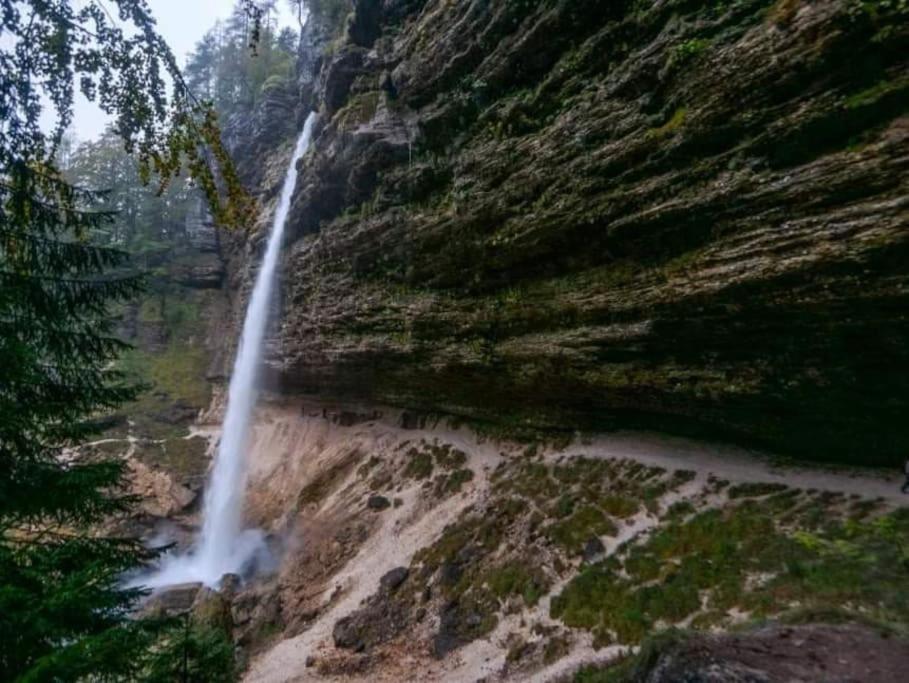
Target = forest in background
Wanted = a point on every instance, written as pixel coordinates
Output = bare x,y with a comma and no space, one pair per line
222,70
89,234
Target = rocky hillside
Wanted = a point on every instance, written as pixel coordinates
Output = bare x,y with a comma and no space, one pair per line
426,553
680,215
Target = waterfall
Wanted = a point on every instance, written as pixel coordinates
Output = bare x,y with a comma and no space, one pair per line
224,546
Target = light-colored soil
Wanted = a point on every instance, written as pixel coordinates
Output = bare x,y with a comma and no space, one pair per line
292,445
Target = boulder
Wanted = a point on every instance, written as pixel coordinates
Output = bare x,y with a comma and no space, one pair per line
593,548
347,634
339,75
378,503
778,654
381,620
393,579
175,599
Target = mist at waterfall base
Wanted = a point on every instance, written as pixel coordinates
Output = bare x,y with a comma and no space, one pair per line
224,546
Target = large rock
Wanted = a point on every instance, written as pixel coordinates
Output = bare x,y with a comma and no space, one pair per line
587,215
780,654
158,493
175,599
392,579
378,503
256,613
379,621
339,75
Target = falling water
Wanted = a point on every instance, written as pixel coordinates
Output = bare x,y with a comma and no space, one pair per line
224,547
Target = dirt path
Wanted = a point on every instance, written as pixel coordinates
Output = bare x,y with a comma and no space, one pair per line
740,465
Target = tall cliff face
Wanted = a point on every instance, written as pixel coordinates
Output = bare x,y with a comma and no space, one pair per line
580,214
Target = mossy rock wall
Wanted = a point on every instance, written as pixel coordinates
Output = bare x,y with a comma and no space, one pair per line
680,215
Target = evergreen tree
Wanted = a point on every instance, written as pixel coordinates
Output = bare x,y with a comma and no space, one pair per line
147,220
191,653
234,77
63,615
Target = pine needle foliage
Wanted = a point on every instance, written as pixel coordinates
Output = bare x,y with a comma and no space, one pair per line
63,612
191,653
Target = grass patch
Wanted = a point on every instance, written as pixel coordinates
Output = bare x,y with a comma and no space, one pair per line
556,647
816,561
517,578
574,531
671,126
448,484
447,457
688,50
178,372
619,506
680,509
185,457
364,469
425,457
872,95
632,668
359,109
419,466
755,489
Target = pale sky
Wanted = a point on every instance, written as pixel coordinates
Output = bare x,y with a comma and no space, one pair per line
182,23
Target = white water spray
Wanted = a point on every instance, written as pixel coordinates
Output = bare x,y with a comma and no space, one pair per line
224,547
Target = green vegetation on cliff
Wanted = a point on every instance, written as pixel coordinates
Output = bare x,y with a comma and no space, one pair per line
758,557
